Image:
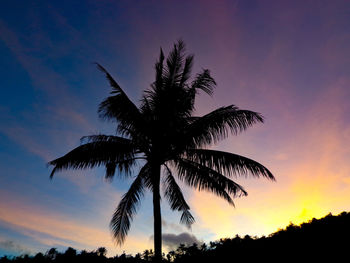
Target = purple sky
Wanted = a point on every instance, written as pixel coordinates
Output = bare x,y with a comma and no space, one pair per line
289,60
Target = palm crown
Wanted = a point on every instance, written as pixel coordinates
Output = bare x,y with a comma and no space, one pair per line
169,141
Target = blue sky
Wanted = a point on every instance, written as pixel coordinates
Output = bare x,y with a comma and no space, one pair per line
288,60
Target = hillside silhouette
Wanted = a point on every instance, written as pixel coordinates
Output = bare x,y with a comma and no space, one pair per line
316,240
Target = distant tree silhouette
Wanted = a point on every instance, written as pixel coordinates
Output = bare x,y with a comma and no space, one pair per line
52,253
165,137
39,258
101,251
318,240
70,252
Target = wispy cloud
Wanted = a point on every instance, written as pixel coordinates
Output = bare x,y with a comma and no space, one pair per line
11,246
62,107
172,226
22,137
52,228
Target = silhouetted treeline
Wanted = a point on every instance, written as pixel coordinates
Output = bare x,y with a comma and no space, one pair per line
317,240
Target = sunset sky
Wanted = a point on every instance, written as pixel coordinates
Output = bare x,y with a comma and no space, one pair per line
289,60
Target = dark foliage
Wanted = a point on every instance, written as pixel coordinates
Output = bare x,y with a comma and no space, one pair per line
325,239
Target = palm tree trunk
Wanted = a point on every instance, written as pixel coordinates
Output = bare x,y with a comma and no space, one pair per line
157,215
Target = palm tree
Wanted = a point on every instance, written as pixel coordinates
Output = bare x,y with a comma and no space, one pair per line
164,137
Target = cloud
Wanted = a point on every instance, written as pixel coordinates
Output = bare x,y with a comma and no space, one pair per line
172,241
171,226
12,246
52,228
48,223
23,137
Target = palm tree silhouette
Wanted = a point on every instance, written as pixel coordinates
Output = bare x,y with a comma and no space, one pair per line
164,136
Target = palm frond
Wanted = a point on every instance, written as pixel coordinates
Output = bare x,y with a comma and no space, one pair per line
123,165
156,87
174,62
228,163
186,73
148,176
123,215
217,124
159,70
94,154
118,106
173,194
187,218
104,138
204,81
204,178
170,96
110,171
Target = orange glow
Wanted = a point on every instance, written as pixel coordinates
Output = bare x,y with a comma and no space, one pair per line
52,228
312,175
